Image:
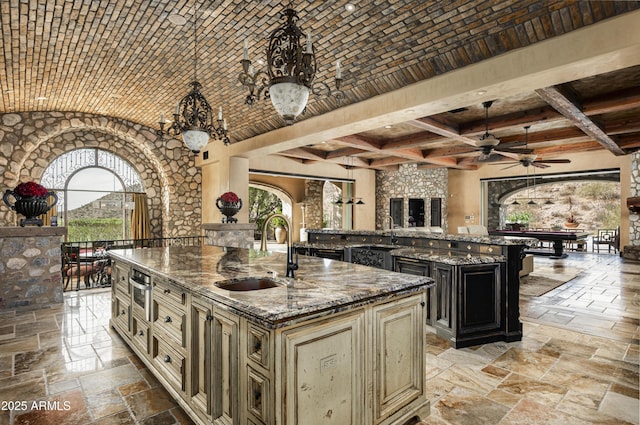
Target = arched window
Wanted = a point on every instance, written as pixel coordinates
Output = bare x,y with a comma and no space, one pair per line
95,190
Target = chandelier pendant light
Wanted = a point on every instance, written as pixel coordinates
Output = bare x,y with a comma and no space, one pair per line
193,117
291,70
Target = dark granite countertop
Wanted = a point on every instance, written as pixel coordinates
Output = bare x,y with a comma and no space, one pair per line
418,233
321,286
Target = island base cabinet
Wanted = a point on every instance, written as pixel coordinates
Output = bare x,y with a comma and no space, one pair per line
322,372
371,358
398,364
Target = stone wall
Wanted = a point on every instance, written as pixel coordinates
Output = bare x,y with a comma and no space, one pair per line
313,203
238,235
30,267
29,142
409,182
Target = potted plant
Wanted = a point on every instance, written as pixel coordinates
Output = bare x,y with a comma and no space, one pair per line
30,200
229,204
518,219
571,222
280,232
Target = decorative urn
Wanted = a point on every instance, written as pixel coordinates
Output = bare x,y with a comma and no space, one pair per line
229,204
30,200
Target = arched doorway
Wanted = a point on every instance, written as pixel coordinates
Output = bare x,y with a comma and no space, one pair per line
265,200
95,190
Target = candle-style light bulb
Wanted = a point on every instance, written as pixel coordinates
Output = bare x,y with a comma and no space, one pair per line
338,70
177,111
224,124
220,114
309,46
162,117
245,55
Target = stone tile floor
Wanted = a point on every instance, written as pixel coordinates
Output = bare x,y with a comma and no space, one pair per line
577,363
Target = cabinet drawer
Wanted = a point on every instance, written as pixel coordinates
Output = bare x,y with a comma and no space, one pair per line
170,321
140,332
121,279
258,395
258,346
170,293
169,363
121,311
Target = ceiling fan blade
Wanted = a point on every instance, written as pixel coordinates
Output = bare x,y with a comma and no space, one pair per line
554,161
509,145
511,155
511,166
503,162
537,164
489,157
521,151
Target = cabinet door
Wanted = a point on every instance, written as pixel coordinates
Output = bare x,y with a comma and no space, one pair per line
121,312
224,388
398,363
443,314
417,268
323,372
200,392
479,298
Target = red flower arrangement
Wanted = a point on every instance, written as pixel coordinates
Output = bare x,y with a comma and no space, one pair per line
230,197
30,189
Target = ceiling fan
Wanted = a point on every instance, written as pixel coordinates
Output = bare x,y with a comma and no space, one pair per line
488,142
531,159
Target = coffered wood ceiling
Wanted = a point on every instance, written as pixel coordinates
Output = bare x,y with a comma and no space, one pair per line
128,60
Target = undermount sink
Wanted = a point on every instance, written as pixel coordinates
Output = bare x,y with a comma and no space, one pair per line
248,284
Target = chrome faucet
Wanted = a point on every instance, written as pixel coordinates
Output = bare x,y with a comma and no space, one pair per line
391,224
291,266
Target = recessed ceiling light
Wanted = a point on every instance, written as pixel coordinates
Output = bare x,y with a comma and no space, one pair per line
176,19
481,92
387,126
410,111
41,98
350,7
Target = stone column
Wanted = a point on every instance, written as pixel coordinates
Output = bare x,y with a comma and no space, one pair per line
313,203
30,266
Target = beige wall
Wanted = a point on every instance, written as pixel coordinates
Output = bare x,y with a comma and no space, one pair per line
465,189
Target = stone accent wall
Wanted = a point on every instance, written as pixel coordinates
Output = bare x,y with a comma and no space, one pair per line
634,219
313,203
411,183
30,267
238,235
29,142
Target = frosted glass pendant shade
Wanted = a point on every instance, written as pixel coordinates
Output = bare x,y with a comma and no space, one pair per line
195,139
289,99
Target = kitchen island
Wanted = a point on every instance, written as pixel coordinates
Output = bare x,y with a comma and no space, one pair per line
476,293
340,344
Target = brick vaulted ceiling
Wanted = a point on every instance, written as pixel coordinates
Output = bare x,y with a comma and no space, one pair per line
128,60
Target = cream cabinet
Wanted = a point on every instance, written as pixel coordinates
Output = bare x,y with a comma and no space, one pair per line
364,365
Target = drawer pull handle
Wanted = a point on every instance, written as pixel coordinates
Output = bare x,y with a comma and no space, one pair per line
422,303
257,346
122,312
141,333
167,291
167,319
209,317
257,395
167,359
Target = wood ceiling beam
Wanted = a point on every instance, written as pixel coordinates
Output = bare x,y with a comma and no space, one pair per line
511,121
441,129
569,148
412,141
304,153
560,100
630,141
344,152
613,102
